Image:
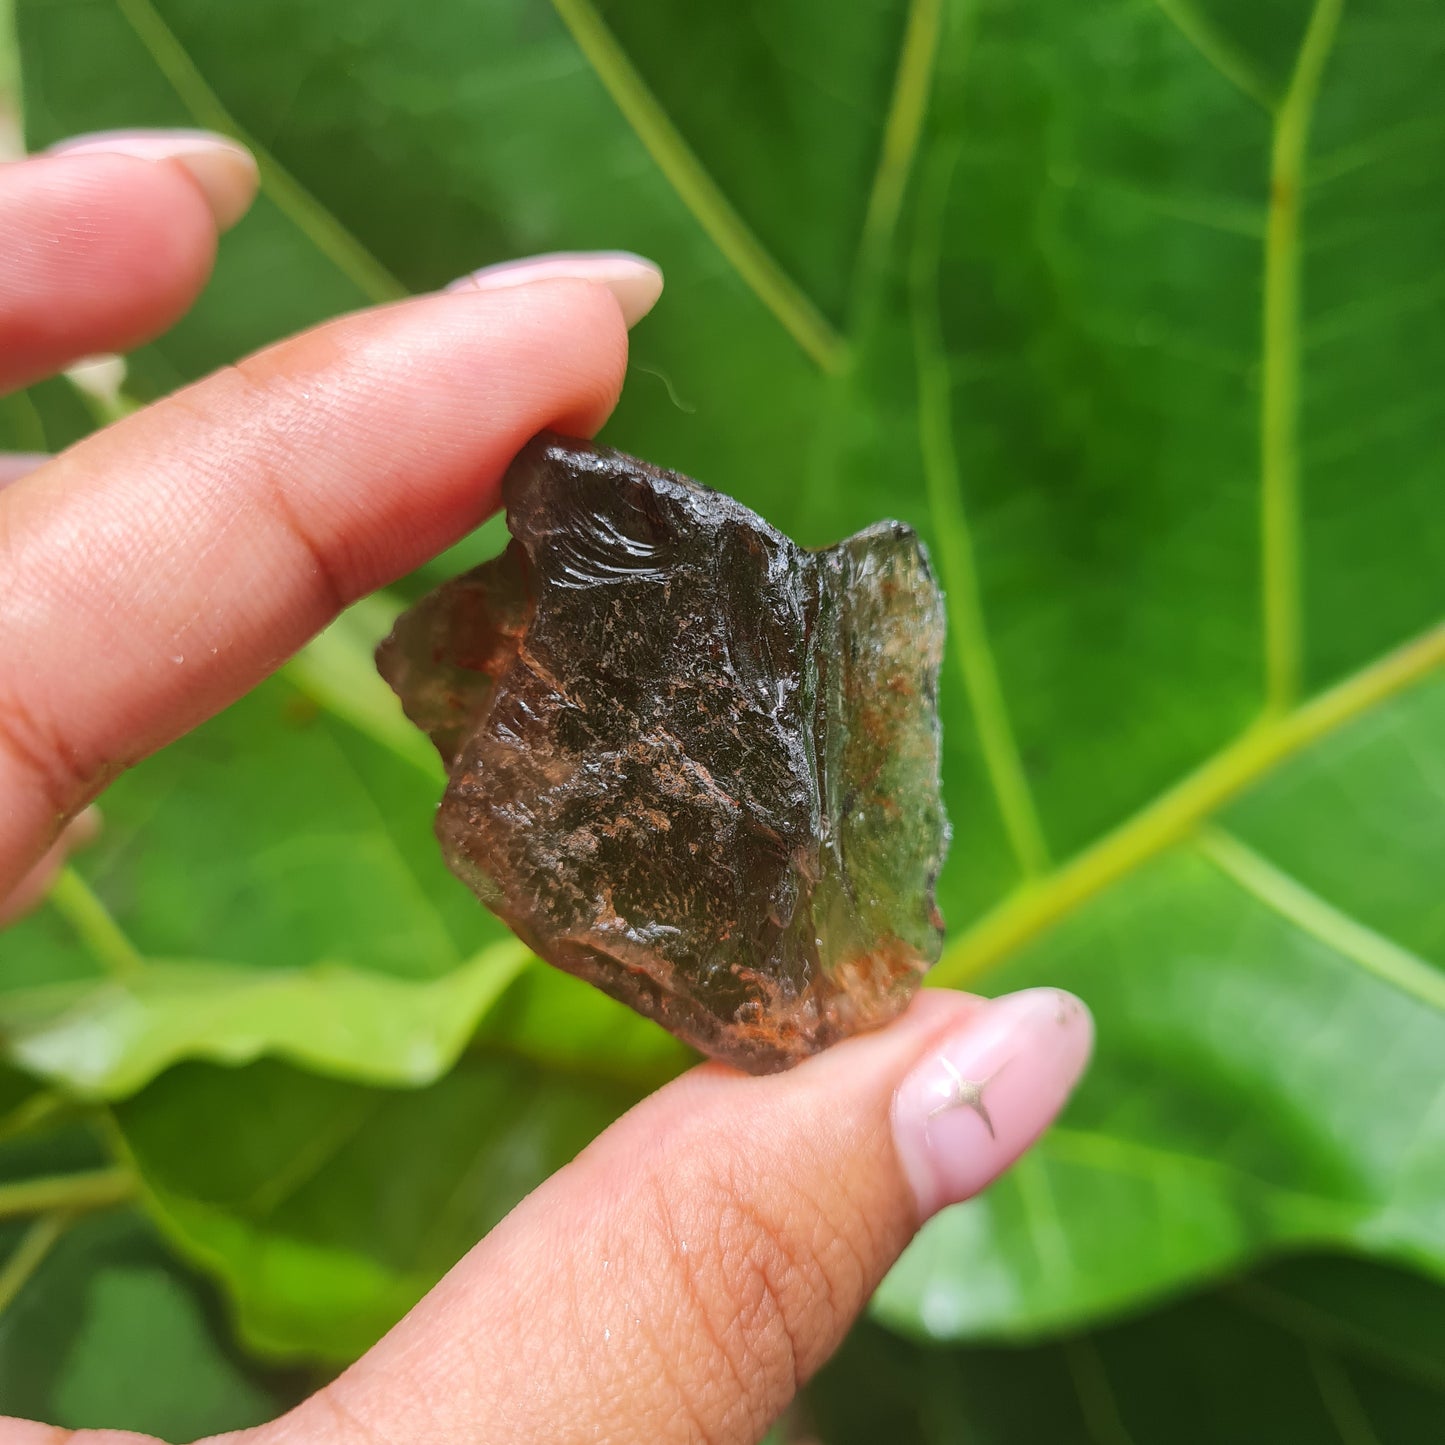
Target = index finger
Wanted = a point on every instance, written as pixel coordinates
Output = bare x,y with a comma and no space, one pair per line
155,572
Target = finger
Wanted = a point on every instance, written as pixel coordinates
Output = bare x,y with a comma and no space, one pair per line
14,465
701,1259
107,240
153,573
81,830
28,1432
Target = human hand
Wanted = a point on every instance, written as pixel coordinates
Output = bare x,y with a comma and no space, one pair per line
705,1255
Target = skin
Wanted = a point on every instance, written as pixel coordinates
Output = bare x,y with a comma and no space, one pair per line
706,1254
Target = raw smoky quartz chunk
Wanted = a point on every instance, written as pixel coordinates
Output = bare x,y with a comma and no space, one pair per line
690,761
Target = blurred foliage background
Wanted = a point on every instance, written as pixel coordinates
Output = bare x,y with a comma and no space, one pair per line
1135,310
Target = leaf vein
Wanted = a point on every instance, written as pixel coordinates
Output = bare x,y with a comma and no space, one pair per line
1341,1401
697,190
314,1155
1220,52
1313,915
1046,1228
1309,1322
971,644
32,1251
1098,1404
1121,1155
1174,814
323,229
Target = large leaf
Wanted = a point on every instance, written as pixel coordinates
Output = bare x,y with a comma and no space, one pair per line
315,900
1245,986
313,919
110,1332
105,1039
46,418
328,1208
1136,312
1309,1352
90,1300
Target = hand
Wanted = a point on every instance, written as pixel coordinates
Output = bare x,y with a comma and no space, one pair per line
707,1253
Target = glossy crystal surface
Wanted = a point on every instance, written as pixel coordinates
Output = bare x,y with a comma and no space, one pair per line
690,761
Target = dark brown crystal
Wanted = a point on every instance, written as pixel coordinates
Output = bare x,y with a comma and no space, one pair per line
690,761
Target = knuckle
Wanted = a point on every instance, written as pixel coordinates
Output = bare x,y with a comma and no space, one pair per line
35,737
343,1421
44,753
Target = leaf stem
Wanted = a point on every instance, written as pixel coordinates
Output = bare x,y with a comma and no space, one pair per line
35,1245
696,188
74,900
72,1193
1280,374
1175,814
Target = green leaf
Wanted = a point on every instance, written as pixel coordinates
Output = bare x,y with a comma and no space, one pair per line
321,919
326,1208
274,837
1136,312
106,1039
90,1300
9,81
1236,1110
1351,1307
109,1332
46,418
315,921
1317,1350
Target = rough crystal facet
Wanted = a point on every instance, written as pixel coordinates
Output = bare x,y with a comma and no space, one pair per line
690,761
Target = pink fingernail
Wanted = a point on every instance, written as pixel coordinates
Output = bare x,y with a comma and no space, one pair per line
987,1091
14,465
635,281
224,170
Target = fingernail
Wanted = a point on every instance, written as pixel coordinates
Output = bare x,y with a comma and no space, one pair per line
986,1091
224,170
14,465
634,280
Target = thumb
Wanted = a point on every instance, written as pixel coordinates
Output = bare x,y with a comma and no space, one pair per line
702,1258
